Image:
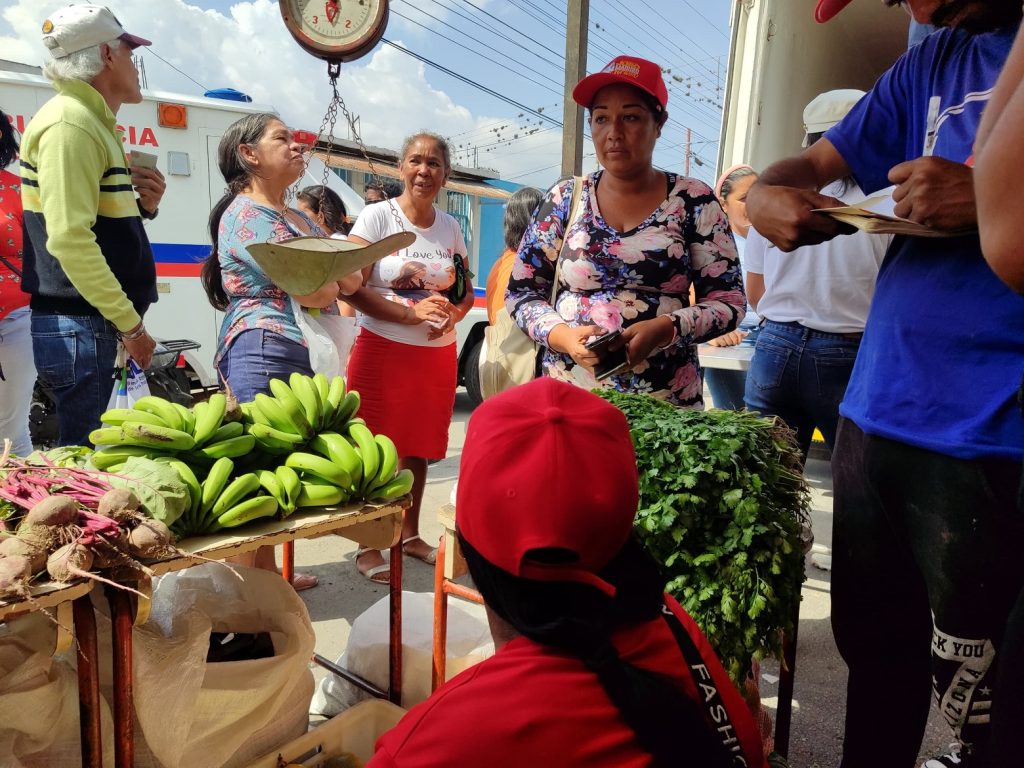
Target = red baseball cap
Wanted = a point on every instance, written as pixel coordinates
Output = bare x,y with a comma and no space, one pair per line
548,465
640,73
828,8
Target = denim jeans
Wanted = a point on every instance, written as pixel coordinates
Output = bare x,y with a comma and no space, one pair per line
926,566
18,378
800,375
75,359
255,357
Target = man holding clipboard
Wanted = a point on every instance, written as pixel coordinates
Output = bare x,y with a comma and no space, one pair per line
927,461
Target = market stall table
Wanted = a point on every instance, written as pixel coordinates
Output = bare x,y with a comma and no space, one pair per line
72,606
372,525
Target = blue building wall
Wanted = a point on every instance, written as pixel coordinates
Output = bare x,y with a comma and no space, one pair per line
492,229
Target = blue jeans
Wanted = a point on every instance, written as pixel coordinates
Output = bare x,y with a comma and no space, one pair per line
75,358
255,357
800,375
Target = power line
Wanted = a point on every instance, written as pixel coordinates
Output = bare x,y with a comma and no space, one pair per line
481,55
149,49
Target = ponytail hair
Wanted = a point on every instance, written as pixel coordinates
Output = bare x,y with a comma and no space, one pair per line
237,174
580,620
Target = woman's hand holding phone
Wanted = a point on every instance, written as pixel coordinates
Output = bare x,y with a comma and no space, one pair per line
573,342
641,339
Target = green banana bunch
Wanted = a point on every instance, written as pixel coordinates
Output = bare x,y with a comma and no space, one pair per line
136,433
396,488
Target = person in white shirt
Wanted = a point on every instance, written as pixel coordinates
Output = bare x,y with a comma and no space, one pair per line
813,302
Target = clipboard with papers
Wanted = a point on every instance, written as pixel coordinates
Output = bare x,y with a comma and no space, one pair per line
875,215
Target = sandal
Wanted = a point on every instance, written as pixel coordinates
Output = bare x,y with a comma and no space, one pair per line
430,558
378,574
304,581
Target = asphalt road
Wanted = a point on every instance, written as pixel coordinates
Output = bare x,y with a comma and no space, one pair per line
820,677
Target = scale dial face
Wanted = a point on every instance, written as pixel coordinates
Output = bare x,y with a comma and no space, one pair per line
336,30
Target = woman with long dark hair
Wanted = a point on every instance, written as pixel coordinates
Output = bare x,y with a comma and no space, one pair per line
17,371
259,338
326,208
595,665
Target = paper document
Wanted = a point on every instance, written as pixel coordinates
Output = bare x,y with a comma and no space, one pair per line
875,215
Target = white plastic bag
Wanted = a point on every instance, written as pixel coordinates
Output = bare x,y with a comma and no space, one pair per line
329,338
367,653
194,713
130,384
39,724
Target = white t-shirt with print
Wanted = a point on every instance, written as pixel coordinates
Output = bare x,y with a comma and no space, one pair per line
410,274
827,287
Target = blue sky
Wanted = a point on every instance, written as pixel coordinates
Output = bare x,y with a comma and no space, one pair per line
512,47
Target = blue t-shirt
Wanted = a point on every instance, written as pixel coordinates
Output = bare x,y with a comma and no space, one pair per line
943,349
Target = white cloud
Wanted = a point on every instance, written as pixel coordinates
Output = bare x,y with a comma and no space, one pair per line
250,50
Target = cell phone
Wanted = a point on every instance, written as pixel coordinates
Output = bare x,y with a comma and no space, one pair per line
611,362
143,159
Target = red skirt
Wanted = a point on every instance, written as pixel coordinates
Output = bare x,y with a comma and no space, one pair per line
406,392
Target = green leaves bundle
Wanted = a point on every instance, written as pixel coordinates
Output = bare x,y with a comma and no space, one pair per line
723,504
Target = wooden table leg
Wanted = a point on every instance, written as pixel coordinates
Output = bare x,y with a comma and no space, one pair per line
89,711
784,713
437,674
124,709
288,561
395,591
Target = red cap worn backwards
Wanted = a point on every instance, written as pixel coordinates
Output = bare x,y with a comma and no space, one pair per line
548,466
640,73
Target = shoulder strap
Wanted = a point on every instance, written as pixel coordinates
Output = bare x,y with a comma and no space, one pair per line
707,689
574,207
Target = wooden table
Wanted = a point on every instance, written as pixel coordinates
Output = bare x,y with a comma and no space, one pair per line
72,607
372,525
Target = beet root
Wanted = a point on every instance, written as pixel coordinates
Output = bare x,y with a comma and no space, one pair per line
120,505
69,561
16,546
53,511
15,571
150,539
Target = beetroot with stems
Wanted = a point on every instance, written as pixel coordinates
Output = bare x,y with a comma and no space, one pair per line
54,511
17,546
15,572
121,505
151,540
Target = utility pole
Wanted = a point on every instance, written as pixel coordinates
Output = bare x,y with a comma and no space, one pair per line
686,172
577,18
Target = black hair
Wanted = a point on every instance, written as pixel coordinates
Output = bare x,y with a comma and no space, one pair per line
8,143
982,17
519,213
729,182
324,200
238,174
580,619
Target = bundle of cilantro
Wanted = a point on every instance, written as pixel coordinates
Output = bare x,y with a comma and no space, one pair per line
723,506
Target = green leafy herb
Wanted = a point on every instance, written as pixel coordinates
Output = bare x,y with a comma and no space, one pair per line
723,506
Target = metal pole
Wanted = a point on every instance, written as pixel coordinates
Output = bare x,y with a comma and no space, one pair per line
687,170
578,14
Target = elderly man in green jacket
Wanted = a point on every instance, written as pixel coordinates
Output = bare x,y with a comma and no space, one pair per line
88,262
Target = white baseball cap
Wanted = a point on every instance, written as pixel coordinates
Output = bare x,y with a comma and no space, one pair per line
77,27
827,109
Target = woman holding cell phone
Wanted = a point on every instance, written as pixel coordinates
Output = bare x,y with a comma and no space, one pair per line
639,238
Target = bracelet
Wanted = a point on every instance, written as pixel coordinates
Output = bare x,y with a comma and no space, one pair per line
138,333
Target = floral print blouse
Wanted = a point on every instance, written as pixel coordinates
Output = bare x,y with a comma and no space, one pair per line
254,301
11,295
614,279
